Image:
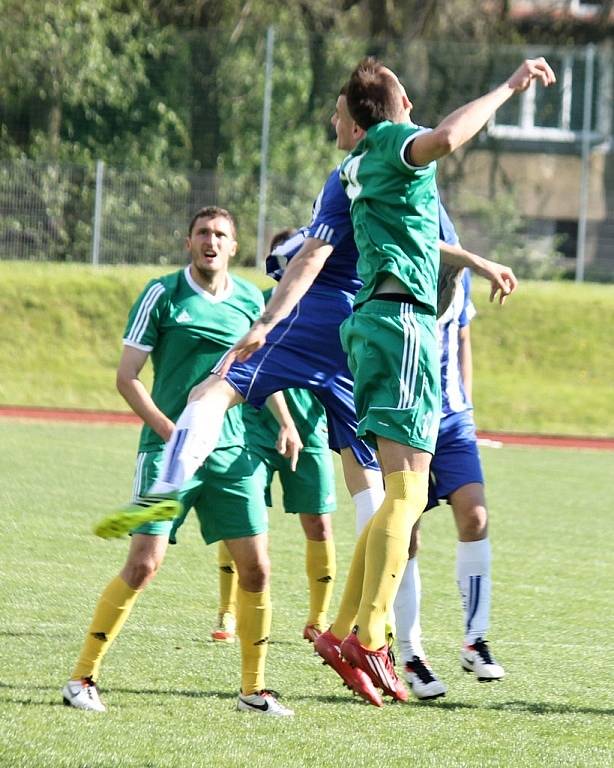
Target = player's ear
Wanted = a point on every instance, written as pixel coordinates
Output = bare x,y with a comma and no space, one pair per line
188,243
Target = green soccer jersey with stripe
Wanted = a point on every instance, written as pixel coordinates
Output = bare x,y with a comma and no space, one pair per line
306,410
395,213
186,330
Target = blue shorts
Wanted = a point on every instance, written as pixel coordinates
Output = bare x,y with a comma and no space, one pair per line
304,350
456,461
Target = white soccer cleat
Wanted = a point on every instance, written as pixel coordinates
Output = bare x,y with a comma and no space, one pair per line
477,658
263,703
226,629
424,684
83,694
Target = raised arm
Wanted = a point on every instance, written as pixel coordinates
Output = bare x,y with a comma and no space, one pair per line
298,277
463,124
134,392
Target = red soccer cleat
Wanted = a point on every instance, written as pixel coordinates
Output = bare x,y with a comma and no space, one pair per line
311,632
327,646
378,665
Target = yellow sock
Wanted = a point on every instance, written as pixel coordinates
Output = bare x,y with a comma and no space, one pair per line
253,628
352,593
112,610
228,580
386,552
321,567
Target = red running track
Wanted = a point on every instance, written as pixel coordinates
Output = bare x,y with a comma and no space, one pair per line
120,417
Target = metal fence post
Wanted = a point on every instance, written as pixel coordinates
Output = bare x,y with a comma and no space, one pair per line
97,213
589,71
264,146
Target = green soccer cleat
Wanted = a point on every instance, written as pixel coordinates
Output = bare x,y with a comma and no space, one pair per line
147,510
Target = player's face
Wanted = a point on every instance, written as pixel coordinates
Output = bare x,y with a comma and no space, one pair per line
348,133
211,244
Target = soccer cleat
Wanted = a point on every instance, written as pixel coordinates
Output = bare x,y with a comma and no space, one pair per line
378,665
145,510
226,628
311,632
422,680
327,646
83,694
263,703
477,658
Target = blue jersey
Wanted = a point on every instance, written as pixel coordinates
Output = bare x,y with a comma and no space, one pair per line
331,223
458,315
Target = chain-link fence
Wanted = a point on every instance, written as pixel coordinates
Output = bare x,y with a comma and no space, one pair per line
536,188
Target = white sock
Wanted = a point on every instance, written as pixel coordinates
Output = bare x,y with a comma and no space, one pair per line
367,503
196,435
407,613
473,578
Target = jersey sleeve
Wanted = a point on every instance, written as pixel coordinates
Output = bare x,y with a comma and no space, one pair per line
468,311
331,222
144,317
400,135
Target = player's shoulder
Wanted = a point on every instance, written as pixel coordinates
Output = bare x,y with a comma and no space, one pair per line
386,134
160,286
169,281
245,291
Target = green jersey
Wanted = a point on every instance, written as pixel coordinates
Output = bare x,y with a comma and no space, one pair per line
187,330
395,213
308,414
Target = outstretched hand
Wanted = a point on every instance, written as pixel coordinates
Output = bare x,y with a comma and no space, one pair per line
502,279
243,349
529,70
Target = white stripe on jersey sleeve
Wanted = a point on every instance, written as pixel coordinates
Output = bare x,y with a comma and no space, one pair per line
142,347
408,141
324,232
139,325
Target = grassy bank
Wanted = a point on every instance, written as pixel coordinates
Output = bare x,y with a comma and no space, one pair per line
543,363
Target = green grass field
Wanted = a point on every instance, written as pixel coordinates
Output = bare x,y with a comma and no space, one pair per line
171,693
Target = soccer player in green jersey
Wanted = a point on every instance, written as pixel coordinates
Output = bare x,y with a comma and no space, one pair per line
185,321
390,338
307,492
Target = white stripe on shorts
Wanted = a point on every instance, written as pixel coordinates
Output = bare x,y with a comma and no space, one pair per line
411,355
138,476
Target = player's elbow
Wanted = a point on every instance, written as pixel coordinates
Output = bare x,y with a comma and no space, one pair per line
122,380
445,140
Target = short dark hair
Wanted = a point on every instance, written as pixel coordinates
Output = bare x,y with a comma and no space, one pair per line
281,237
372,94
210,212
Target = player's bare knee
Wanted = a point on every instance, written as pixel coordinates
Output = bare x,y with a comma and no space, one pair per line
472,524
138,575
254,572
316,527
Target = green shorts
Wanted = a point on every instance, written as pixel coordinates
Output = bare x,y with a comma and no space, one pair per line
310,489
227,493
393,354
